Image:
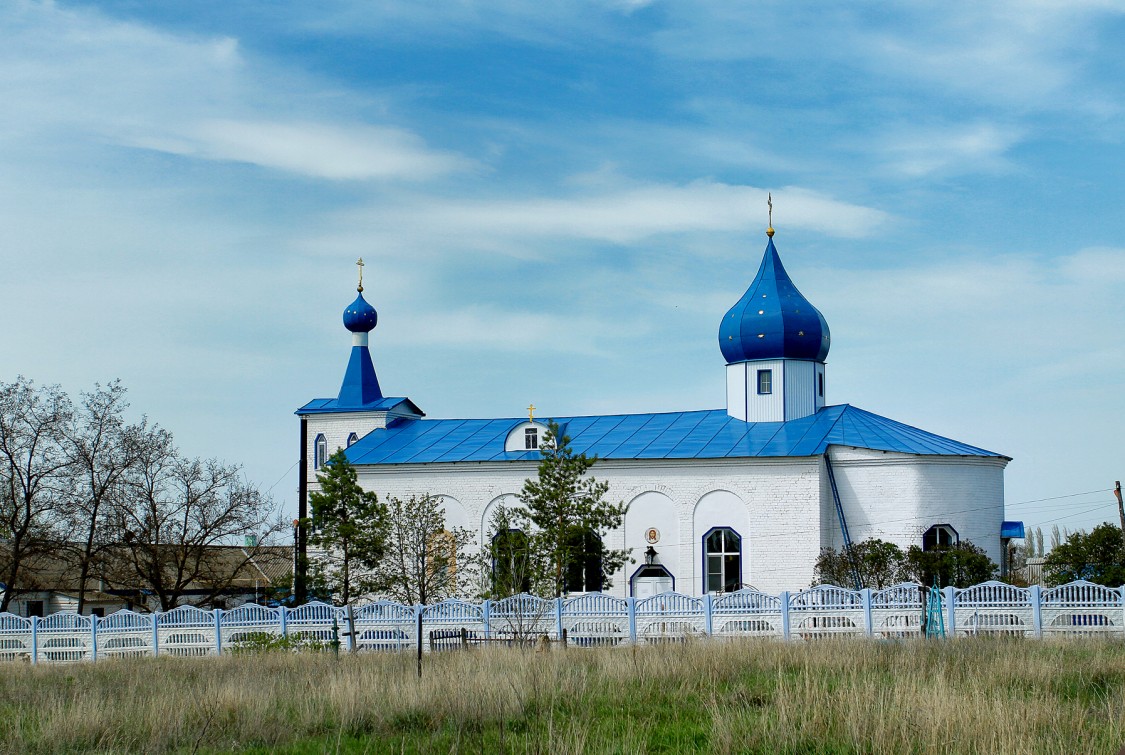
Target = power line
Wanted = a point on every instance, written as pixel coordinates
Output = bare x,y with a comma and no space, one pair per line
1057,497
279,479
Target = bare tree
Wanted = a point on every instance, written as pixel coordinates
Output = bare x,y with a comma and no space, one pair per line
181,520
420,560
102,452
33,466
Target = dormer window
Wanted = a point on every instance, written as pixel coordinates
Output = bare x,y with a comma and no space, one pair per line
352,438
525,437
765,382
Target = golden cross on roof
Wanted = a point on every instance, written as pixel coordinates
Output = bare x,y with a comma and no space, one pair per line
359,265
531,413
769,202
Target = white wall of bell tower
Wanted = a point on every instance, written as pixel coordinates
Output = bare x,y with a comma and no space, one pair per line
774,390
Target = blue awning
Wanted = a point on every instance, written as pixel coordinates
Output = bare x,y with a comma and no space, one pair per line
1011,531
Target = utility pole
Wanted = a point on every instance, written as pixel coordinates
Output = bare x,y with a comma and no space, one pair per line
1120,507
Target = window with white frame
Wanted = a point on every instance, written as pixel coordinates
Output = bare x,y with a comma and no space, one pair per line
320,453
722,559
531,438
352,438
765,382
939,536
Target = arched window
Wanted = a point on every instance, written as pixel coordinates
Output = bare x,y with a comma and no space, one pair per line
722,560
352,438
511,571
320,455
583,571
939,536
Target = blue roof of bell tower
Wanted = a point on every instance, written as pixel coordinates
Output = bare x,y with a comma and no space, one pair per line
773,320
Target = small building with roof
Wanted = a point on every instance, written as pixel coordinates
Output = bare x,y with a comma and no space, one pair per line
743,495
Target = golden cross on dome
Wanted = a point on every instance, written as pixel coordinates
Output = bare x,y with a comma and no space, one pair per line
359,266
531,413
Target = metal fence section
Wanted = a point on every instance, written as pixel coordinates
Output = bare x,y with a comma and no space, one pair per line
1078,609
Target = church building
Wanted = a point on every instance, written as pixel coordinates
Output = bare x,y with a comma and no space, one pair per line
737,496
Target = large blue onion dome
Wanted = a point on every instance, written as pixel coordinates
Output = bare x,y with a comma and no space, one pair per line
360,317
773,320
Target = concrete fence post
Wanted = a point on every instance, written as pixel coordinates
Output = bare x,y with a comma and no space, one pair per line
1122,590
868,619
708,614
155,617
283,620
487,618
218,631
1035,597
950,612
35,639
93,637
558,618
784,598
631,612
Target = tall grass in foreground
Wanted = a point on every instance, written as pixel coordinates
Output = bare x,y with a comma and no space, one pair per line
986,696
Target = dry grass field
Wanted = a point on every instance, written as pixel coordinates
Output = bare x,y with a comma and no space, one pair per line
972,696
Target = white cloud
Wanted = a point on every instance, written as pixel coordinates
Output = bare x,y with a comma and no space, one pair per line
1015,53
915,152
78,73
621,216
314,149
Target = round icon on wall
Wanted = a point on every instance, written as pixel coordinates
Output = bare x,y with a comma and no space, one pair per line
652,535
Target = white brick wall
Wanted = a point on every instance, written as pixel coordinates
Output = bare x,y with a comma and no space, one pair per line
783,508
897,497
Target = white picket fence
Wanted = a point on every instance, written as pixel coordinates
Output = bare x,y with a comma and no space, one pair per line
1077,609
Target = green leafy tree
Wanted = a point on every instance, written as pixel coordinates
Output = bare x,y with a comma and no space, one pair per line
1097,556
880,564
567,519
349,530
424,560
959,565
507,564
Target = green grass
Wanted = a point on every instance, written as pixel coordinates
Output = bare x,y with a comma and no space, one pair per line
979,696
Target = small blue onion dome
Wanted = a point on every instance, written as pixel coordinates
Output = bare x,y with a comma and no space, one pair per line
773,320
360,317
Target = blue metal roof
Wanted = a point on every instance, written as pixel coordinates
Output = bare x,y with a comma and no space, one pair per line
333,405
711,434
773,320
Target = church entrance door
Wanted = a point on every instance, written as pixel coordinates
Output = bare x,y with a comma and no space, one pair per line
652,580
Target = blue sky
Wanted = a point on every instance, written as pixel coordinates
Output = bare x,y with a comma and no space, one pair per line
557,205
